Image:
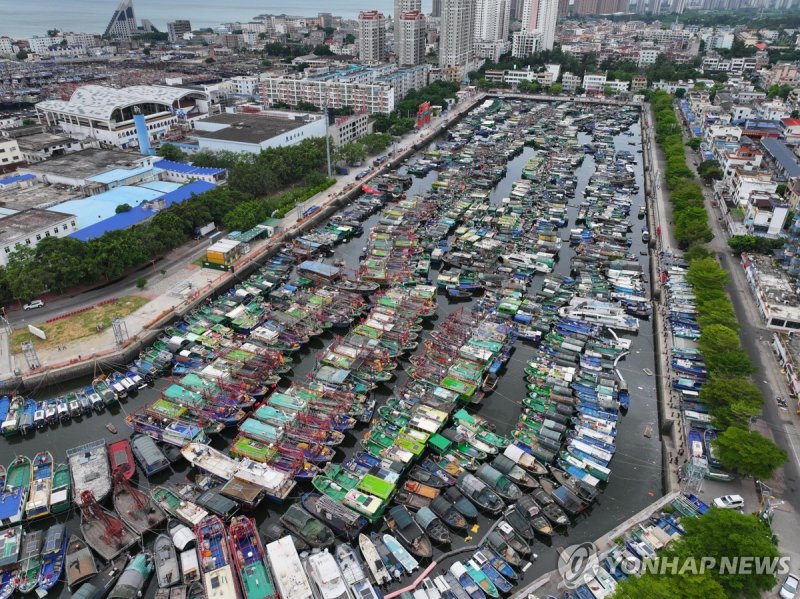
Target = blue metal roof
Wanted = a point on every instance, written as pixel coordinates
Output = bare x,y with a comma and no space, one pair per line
15,179
189,169
782,155
142,212
120,174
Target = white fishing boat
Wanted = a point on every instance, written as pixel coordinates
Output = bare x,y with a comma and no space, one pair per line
288,570
373,559
326,576
404,557
89,469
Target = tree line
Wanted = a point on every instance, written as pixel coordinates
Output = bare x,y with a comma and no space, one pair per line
57,264
733,400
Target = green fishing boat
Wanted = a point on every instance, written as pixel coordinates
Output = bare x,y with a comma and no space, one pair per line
327,487
339,475
30,563
61,491
245,447
18,474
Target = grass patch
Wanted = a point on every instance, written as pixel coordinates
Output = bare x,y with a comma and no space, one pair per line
78,326
199,261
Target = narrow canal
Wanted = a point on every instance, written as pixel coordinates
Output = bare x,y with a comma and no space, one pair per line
636,478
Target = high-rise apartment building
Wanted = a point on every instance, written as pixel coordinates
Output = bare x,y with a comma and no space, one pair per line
372,36
492,18
436,8
176,29
541,16
123,22
409,38
456,33
401,6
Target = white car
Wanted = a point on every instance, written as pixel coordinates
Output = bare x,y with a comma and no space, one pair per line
789,587
729,502
33,304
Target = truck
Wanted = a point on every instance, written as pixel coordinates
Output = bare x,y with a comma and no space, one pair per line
204,230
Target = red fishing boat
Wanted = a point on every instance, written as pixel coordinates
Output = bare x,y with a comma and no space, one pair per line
121,457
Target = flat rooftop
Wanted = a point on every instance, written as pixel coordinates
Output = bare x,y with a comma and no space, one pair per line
16,226
42,141
38,196
248,128
84,164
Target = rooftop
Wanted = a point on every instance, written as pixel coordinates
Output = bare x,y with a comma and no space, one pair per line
249,128
96,208
36,196
42,141
85,164
783,156
100,102
15,226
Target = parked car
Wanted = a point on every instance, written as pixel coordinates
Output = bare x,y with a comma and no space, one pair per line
729,502
789,587
33,304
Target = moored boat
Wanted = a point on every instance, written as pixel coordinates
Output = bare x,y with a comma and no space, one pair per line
250,559
137,510
121,457
60,490
103,531
133,578
373,560
89,470
215,559
401,523
30,564
53,554
80,565
38,504
166,562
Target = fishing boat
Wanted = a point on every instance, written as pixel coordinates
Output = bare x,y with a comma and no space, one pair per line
460,503
479,492
133,578
104,390
401,555
27,420
432,525
498,544
89,470
401,523
173,504
102,531
61,490
507,532
138,510
527,507
305,526
121,457
10,425
499,564
38,504
8,582
80,565
498,482
461,578
166,562
524,460
215,559
53,554
250,559
335,515
480,562
30,563
445,510
99,586
373,560
290,578
549,508
15,491
325,574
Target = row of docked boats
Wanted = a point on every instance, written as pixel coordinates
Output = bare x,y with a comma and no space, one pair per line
689,372
21,416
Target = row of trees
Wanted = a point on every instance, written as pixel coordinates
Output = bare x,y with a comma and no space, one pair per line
718,535
402,119
731,397
688,209
58,264
754,244
368,145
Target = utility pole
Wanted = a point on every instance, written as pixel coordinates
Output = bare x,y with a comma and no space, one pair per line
327,137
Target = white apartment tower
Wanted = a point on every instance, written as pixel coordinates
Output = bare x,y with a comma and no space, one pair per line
176,29
541,16
492,18
372,36
410,38
456,33
401,6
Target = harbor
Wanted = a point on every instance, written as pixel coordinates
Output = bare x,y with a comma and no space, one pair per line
491,294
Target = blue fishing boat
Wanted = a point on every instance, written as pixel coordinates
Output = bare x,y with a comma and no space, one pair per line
8,582
480,561
26,423
53,554
401,555
499,564
461,575
709,436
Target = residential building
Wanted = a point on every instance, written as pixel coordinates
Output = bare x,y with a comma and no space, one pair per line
647,56
790,129
348,129
107,114
784,161
401,6
456,33
410,30
10,155
371,36
37,145
774,293
177,29
492,19
244,85
6,46
639,82
123,22
594,82
541,16
525,43
29,227
374,98
248,132
617,86
436,8
570,82
765,214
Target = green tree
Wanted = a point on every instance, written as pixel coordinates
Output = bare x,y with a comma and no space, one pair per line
710,170
781,189
556,88
717,339
351,153
22,55
322,50
728,534
749,454
376,142
141,283
732,401
655,586
171,152
680,92
695,143
123,208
